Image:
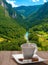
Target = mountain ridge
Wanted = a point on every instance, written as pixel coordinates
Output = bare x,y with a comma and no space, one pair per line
27,10
39,16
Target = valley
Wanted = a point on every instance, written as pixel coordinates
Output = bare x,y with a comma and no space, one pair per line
22,23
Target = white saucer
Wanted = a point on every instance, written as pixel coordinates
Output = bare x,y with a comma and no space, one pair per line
18,56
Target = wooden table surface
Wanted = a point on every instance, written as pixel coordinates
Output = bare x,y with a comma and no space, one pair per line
6,57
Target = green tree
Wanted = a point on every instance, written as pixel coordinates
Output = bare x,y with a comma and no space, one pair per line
33,37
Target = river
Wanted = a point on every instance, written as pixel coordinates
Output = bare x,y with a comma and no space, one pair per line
26,36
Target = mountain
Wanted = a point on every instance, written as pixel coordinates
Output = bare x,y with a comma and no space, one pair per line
41,16
23,12
12,13
27,10
32,15
38,27
11,33
15,21
28,16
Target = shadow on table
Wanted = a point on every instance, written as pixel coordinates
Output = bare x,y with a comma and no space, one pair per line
40,63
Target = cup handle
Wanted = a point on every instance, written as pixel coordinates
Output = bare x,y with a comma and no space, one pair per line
35,50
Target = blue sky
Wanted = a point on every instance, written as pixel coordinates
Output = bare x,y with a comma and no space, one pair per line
16,3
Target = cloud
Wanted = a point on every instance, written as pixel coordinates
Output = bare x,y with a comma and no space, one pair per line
12,3
45,0
35,0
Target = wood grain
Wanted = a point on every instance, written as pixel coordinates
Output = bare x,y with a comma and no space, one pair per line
6,57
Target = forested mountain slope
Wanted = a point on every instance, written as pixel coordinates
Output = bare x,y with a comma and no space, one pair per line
11,33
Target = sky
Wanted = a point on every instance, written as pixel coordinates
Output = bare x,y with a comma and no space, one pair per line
16,3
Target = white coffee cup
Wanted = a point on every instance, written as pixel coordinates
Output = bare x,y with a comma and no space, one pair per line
29,49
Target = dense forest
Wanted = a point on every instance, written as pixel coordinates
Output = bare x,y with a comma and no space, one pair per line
11,33
15,22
